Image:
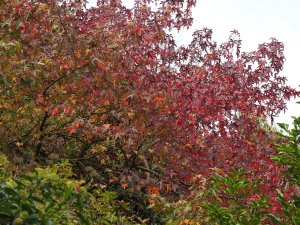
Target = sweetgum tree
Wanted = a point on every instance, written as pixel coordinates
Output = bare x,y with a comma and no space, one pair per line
108,88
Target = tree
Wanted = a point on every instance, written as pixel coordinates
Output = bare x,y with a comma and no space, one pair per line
108,88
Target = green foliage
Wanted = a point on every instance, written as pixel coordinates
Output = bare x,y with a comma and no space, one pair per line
107,209
235,200
289,156
50,196
221,199
46,196
289,151
4,168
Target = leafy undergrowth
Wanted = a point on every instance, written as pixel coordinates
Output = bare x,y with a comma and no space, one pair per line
50,196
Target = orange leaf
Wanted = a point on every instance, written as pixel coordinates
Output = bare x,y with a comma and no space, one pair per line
55,111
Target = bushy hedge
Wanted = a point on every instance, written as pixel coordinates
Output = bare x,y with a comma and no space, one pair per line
50,195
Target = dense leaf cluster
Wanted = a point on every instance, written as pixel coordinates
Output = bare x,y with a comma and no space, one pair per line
108,89
50,196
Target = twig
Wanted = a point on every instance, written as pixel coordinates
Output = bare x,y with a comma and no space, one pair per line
62,77
149,170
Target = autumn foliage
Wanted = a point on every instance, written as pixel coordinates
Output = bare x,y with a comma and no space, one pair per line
108,89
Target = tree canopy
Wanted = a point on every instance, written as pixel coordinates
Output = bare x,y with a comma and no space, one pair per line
108,89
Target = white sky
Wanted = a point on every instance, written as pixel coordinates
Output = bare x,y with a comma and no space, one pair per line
257,21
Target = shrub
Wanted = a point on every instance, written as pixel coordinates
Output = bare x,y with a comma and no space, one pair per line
289,156
50,196
221,199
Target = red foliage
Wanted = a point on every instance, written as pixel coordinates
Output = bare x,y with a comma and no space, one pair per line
112,73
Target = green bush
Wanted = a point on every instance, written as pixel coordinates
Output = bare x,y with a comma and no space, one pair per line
50,196
46,196
222,199
289,156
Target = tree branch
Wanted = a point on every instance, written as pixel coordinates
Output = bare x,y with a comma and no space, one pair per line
62,77
41,137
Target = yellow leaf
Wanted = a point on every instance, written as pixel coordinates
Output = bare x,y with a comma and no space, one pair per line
19,144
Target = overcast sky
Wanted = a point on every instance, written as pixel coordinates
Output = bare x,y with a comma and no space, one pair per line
257,21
